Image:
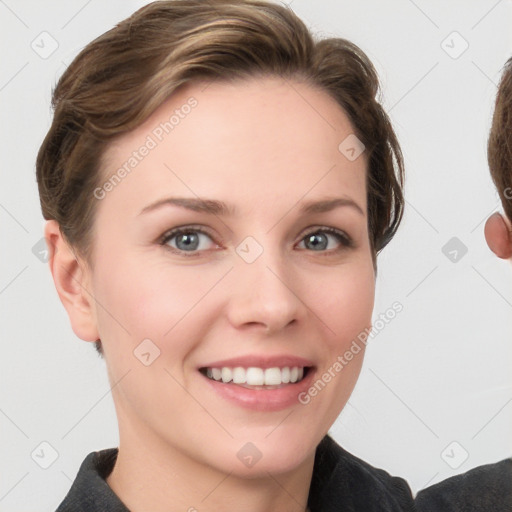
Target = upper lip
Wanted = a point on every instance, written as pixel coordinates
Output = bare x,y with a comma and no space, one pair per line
260,361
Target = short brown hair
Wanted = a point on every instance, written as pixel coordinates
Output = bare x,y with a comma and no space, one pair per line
119,79
499,146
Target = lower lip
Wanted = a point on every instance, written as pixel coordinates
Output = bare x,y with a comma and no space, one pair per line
262,399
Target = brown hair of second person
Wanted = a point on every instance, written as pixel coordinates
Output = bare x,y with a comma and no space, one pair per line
499,149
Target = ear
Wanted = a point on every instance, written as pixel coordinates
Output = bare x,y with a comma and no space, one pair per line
498,235
71,278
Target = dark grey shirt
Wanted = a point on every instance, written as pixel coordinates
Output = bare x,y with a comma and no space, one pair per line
340,482
485,488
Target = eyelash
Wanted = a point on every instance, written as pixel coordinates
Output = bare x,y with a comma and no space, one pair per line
344,239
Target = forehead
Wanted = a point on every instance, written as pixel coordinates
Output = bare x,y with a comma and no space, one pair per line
262,137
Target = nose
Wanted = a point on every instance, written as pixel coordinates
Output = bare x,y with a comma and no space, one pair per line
262,295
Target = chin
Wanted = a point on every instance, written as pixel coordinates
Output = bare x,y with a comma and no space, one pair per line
272,453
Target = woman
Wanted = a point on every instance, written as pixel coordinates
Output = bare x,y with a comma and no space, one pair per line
217,185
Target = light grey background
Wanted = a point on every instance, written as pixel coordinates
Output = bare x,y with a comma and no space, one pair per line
438,373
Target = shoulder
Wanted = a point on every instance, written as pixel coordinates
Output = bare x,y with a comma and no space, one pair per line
343,478
483,488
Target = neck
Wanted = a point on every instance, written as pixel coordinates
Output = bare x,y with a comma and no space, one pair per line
152,475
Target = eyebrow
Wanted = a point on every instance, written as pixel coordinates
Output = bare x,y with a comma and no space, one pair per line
215,207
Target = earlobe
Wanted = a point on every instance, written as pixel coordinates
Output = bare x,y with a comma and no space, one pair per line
498,235
72,283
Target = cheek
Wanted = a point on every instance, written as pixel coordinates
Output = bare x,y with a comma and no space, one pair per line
345,302
145,299
345,308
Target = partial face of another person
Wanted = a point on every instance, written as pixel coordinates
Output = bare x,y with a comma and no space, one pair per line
265,284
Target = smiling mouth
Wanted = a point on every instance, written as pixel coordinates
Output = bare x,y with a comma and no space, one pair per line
257,378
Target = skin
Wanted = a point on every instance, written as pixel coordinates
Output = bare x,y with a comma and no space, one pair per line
498,234
264,147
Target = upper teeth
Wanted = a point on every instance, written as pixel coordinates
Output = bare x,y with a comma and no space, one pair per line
257,376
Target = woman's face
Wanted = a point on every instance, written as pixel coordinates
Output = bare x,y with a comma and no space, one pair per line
264,285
